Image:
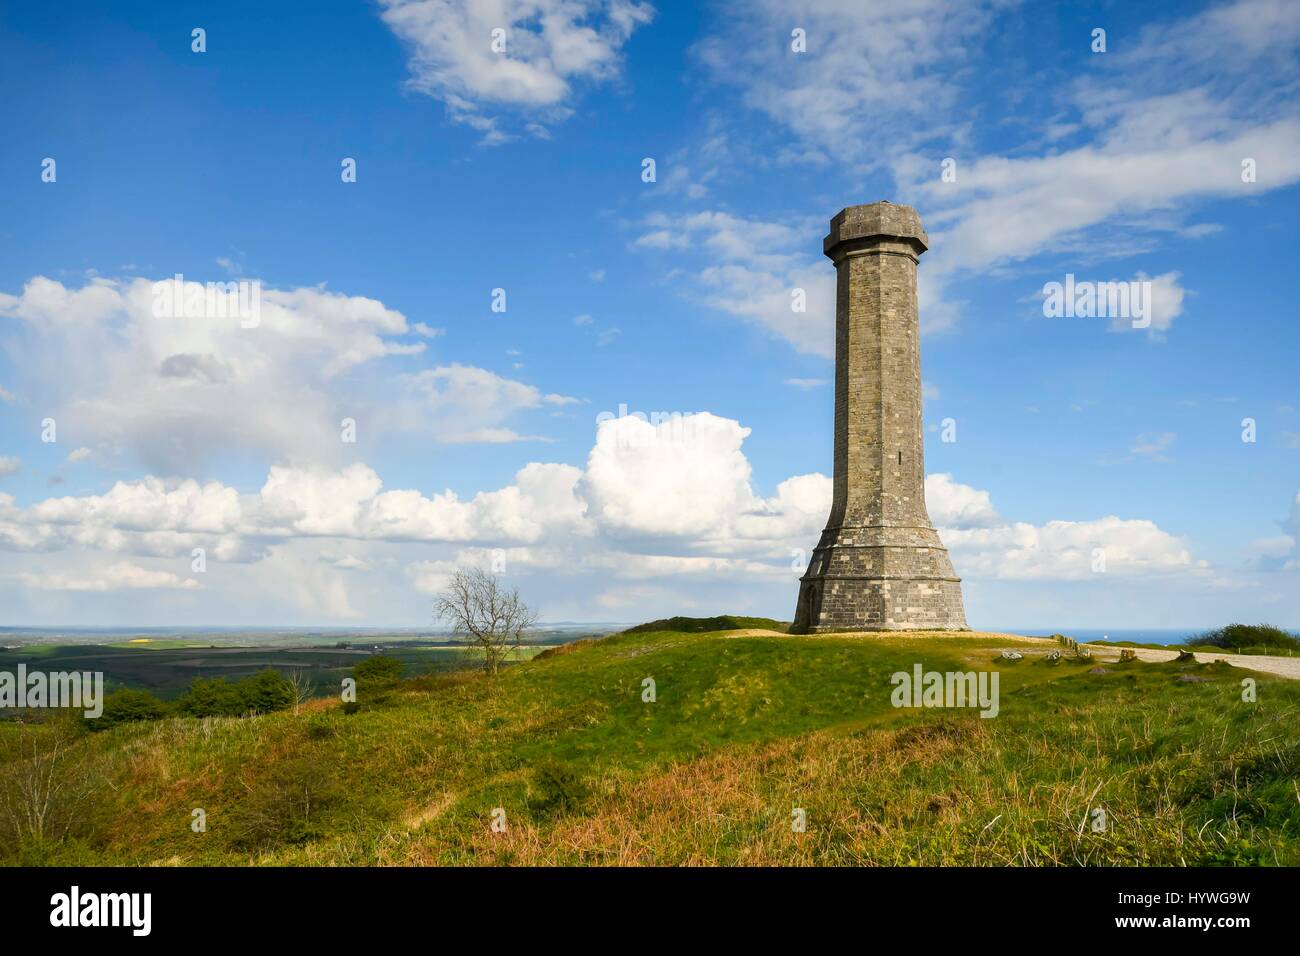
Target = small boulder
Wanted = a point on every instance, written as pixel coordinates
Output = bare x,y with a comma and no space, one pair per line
1011,655
1052,657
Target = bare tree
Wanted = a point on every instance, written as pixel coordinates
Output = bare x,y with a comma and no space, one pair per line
301,687
44,796
484,614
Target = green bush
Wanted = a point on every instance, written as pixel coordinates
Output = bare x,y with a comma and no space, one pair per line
322,727
284,805
261,693
1240,636
265,691
378,671
557,789
126,706
210,697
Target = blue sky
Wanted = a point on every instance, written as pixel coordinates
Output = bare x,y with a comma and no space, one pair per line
521,170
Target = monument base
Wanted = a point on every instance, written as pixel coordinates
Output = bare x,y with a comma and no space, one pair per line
879,604
879,579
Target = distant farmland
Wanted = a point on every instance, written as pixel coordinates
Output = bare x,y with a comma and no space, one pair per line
166,667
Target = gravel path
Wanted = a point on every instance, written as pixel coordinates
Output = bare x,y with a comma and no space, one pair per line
1282,666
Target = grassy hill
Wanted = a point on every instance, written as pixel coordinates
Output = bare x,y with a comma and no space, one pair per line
702,625
743,730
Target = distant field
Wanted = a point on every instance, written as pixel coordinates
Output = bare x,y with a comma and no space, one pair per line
166,667
524,653
27,638
150,644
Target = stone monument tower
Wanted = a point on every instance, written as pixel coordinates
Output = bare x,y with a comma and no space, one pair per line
879,565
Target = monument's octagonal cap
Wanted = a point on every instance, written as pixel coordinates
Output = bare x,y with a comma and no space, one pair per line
883,221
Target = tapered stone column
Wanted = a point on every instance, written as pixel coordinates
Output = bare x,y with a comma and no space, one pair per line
879,564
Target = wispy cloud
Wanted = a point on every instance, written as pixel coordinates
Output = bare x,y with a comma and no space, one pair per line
521,60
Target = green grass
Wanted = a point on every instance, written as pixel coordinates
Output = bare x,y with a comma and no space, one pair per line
743,730
37,650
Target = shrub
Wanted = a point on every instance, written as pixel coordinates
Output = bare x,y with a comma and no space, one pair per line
260,693
265,691
378,671
322,727
557,789
46,798
125,706
1240,636
210,697
284,805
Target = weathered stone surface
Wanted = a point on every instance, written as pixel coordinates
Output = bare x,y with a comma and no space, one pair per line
879,564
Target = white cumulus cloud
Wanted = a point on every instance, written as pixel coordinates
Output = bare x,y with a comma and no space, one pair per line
485,57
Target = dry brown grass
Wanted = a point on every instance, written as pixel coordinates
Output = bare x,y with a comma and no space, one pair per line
736,807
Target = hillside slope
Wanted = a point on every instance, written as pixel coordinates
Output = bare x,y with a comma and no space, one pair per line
745,728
